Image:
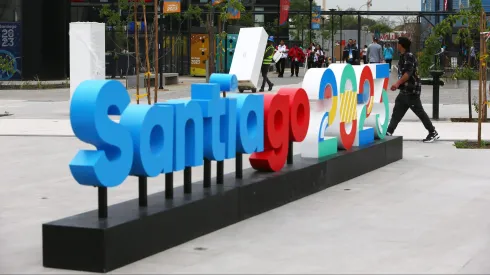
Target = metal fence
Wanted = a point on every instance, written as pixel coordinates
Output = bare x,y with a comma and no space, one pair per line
121,55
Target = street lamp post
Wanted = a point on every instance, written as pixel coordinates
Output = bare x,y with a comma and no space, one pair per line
311,17
340,33
331,20
160,50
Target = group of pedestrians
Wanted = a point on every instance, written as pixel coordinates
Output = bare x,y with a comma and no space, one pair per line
371,54
408,83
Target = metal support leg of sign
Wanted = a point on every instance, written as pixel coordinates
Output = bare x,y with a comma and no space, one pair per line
188,180
220,165
102,202
239,166
220,171
207,173
290,153
143,191
169,185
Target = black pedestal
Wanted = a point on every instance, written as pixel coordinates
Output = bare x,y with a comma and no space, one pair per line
130,233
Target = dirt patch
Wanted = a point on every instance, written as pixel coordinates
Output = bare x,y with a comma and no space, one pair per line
465,144
467,120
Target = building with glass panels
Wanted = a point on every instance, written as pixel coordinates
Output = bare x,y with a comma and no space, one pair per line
35,33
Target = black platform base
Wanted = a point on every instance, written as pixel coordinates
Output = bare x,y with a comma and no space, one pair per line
131,233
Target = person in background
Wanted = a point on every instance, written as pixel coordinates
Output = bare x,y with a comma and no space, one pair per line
410,90
320,56
364,55
297,56
388,55
351,53
472,57
268,55
310,56
283,49
312,46
375,52
278,69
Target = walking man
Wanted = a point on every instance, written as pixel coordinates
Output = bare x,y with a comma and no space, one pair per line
410,89
268,55
375,52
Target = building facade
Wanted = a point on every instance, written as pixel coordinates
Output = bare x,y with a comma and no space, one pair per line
37,35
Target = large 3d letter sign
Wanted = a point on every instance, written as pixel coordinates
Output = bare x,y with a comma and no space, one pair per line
349,107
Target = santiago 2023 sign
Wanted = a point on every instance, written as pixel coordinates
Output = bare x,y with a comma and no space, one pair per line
349,107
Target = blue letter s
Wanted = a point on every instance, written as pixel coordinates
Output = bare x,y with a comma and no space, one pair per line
110,164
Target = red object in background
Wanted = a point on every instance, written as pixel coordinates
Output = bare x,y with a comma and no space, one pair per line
284,12
286,118
296,52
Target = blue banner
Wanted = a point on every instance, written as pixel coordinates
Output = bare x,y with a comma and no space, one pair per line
316,17
11,49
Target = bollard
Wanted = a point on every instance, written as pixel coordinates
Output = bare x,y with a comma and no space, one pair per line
436,75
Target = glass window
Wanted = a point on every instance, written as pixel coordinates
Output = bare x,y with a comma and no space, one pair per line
10,10
259,18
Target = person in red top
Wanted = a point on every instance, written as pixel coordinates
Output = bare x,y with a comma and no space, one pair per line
297,56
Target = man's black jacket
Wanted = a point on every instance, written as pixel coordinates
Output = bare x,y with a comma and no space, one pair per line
355,55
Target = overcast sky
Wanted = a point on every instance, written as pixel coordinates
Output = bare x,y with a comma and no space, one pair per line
378,5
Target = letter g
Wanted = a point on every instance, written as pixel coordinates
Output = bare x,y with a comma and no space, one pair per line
92,103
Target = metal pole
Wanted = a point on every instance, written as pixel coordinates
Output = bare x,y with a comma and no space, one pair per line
332,34
102,196
143,191
161,37
340,47
359,34
323,38
311,17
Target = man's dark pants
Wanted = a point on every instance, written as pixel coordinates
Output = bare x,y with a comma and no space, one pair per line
265,70
294,67
404,102
282,66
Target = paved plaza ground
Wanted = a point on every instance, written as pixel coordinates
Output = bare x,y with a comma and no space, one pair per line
424,214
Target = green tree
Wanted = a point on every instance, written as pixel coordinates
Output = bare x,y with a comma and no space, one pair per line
6,65
118,16
301,22
223,18
470,18
380,27
433,43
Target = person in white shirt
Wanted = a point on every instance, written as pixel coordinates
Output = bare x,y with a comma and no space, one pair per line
283,49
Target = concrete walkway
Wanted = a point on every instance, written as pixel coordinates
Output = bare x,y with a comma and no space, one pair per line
53,120
427,213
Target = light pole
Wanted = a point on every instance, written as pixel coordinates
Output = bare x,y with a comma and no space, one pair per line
311,17
331,20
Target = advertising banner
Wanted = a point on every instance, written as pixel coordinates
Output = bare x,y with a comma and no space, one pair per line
171,6
11,49
217,2
199,54
316,18
283,16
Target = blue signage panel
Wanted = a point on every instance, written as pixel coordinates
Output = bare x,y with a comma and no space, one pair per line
11,49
